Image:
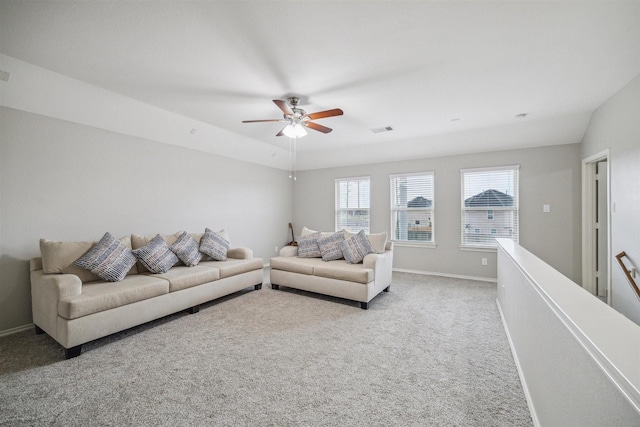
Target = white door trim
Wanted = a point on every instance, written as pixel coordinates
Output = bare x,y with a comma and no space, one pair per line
588,219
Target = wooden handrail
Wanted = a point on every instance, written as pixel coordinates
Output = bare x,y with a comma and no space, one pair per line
627,273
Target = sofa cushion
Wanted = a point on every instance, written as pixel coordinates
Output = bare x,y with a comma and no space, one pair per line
295,265
356,248
187,249
330,246
109,259
60,257
156,256
100,295
342,271
214,244
183,277
232,267
308,245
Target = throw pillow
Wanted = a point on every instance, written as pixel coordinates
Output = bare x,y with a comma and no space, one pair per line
156,255
356,248
378,241
308,246
214,245
330,246
186,248
108,259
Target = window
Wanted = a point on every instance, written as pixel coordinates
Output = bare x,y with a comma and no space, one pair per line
352,204
489,205
412,208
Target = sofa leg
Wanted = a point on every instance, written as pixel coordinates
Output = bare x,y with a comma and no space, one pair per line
364,305
258,286
72,352
387,288
39,330
274,286
194,309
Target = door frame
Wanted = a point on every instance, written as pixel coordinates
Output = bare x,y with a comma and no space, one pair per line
588,218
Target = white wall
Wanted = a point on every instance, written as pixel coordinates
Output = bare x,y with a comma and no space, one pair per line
65,181
616,125
548,175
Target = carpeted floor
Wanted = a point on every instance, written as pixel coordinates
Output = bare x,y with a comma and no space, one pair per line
431,352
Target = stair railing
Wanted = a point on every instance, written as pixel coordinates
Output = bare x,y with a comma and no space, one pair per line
630,273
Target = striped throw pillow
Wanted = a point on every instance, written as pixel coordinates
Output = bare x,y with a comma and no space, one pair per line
214,245
356,248
186,248
156,255
108,259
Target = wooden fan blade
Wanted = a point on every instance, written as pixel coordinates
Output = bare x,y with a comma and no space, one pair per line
327,113
317,127
281,131
261,121
283,106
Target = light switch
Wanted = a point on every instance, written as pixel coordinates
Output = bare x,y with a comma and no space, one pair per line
546,208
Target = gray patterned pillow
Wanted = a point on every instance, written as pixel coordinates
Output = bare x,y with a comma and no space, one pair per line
308,245
156,255
214,245
330,246
108,259
186,248
356,248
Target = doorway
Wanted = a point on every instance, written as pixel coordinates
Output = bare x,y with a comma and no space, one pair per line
596,247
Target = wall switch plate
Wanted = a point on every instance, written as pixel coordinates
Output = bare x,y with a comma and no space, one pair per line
484,261
546,208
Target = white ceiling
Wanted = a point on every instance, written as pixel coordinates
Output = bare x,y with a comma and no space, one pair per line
449,77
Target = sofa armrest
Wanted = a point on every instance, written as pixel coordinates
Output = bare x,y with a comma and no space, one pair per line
289,251
382,266
46,292
240,253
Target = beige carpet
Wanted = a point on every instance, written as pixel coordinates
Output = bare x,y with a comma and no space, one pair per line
431,352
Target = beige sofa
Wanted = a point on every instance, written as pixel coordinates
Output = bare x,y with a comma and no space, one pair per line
358,282
75,308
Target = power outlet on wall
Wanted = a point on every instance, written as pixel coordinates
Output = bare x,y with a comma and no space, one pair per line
484,261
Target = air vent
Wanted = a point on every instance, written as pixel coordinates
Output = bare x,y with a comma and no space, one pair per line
382,129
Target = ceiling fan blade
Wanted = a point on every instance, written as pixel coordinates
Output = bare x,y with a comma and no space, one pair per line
283,106
260,121
281,131
327,113
317,127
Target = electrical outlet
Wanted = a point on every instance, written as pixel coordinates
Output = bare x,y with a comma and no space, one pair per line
484,261
276,249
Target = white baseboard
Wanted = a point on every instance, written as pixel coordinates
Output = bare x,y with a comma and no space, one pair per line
454,276
16,330
523,382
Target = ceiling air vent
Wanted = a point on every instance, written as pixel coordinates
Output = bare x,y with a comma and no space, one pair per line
382,129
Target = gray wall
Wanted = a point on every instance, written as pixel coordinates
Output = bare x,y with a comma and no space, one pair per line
64,181
616,125
548,175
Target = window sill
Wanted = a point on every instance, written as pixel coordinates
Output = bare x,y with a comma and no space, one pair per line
478,248
403,243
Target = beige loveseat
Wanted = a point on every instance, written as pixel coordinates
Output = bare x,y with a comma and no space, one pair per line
358,282
74,308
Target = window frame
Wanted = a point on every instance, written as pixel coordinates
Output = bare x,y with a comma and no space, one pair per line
513,233
337,224
394,209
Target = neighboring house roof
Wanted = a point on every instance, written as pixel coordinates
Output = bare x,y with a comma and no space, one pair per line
419,202
489,198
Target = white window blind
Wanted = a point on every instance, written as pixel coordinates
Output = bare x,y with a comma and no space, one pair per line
412,207
489,205
352,204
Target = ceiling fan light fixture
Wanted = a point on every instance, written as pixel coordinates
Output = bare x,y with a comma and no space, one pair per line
294,130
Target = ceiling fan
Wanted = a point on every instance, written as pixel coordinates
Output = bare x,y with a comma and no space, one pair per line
297,119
